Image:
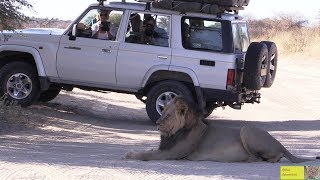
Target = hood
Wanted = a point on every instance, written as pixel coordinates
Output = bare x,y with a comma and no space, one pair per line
48,31
32,35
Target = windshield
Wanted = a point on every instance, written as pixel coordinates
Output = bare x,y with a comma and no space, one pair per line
241,39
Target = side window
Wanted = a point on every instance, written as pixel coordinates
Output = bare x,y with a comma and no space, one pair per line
201,34
240,37
100,24
236,38
244,37
148,29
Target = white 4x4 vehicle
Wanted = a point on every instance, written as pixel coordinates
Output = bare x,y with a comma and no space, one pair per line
155,54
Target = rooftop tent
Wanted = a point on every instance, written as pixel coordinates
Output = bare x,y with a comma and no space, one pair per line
204,6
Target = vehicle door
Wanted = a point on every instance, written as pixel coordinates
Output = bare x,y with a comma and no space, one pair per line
86,58
146,47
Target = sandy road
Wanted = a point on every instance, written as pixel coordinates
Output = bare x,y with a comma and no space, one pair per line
88,133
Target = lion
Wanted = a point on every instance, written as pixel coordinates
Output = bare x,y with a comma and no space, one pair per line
186,135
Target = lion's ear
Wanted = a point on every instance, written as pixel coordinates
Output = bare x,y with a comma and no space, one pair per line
181,106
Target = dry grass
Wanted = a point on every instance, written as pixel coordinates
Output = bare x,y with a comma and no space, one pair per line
14,118
290,35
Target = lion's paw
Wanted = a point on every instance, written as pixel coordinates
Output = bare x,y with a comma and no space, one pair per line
131,155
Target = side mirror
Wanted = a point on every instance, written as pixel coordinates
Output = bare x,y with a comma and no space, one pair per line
73,33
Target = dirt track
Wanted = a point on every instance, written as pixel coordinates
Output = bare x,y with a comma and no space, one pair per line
88,133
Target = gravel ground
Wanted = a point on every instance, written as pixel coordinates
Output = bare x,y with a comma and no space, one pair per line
84,135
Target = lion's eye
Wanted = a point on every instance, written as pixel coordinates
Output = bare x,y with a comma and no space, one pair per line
166,116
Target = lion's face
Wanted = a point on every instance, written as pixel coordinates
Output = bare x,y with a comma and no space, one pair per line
173,117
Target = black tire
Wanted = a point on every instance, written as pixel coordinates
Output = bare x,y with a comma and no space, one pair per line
272,63
158,90
255,67
20,82
50,94
209,109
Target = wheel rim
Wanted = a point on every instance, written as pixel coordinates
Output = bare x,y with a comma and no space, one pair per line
272,65
264,68
163,100
19,86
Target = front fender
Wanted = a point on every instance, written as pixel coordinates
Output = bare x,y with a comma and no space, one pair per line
26,49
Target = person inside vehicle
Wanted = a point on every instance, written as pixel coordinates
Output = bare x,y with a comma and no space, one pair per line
102,29
150,35
134,28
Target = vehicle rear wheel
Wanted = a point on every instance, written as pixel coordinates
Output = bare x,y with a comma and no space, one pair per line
255,67
209,109
50,94
272,63
20,82
161,94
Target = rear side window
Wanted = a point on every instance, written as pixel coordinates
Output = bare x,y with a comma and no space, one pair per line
202,34
241,39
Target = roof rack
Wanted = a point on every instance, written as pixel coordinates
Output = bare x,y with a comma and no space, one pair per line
148,3
233,9
101,2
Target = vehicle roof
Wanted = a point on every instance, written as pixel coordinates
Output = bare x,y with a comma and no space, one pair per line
140,6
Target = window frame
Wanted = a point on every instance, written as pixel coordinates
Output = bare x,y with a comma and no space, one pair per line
152,13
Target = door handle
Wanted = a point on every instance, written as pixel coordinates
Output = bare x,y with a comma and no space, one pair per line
162,57
106,50
73,47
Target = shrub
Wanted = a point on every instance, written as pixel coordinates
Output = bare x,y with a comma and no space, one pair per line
288,32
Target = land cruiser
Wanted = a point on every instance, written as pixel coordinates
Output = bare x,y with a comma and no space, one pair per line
152,53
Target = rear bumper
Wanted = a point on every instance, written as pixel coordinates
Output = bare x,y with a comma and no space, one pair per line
222,95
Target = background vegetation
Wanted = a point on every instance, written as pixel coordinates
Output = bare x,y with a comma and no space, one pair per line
291,34
11,16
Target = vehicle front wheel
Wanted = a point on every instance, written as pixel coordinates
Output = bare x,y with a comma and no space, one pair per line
20,82
161,94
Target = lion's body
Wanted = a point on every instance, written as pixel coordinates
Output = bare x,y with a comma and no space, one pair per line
184,135
221,144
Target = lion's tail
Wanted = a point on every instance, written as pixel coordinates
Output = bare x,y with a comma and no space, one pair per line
293,158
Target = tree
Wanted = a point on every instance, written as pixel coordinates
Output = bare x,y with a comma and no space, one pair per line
11,16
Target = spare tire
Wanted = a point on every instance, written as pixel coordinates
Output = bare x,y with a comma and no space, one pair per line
272,63
255,67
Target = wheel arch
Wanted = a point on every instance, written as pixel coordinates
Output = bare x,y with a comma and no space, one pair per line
159,73
184,75
23,54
